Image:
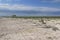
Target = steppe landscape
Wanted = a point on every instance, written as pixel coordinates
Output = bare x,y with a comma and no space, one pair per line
29,29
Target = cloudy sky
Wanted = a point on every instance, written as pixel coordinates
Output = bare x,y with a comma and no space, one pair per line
30,7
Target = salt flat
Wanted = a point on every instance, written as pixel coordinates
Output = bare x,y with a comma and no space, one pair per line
29,29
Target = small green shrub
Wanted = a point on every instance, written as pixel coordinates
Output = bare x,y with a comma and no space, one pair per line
49,37
47,26
55,28
43,21
13,16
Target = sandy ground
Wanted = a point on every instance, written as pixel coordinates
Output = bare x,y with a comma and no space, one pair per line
29,29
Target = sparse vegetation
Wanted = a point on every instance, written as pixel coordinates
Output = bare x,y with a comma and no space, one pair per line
42,20
14,16
47,26
55,28
24,29
50,38
2,34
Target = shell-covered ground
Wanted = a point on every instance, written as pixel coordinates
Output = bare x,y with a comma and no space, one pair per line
29,29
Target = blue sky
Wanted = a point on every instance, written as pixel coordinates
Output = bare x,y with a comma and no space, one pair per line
30,7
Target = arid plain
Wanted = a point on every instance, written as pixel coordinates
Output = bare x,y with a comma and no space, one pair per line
29,29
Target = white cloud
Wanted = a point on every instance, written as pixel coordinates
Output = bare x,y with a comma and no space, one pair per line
50,0
48,9
23,7
12,0
56,1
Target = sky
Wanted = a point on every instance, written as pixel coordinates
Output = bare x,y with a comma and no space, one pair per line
30,7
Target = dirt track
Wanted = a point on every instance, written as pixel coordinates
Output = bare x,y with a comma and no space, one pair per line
28,29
